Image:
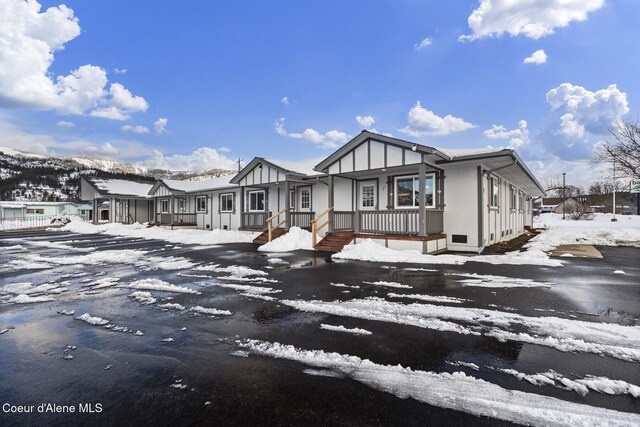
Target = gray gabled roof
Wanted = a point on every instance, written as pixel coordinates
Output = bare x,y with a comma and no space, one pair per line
261,160
364,136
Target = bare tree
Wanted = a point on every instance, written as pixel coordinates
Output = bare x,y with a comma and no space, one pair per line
624,148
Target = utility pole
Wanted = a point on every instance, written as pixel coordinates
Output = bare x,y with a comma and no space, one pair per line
564,193
239,161
614,190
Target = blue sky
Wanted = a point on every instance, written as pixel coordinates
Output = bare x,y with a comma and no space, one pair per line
192,85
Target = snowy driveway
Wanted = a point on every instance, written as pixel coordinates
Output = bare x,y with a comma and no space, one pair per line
169,333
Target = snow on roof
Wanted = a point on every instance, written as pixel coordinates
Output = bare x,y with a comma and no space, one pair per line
122,187
462,152
207,184
10,204
304,167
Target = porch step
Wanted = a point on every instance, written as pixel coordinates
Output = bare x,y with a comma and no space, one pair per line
335,241
264,237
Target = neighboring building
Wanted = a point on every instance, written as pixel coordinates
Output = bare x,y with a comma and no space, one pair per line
118,200
9,210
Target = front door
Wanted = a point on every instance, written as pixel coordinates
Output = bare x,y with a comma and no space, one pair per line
367,195
304,199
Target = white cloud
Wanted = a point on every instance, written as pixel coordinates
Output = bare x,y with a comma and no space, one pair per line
537,57
365,121
160,125
224,149
533,19
285,100
517,137
65,124
330,139
204,158
424,43
424,122
139,129
29,39
120,70
578,109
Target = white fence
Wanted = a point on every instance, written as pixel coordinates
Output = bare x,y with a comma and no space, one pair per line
33,222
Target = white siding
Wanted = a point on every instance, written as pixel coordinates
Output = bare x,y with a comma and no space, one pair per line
362,157
377,155
461,206
346,163
394,156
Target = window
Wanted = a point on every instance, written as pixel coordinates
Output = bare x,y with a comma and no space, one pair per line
514,198
305,199
368,195
35,211
521,202
292,200
181,205
256,201
494,192
164,206
201,204
408,192
226,202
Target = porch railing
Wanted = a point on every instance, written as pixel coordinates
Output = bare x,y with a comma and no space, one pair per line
399,221
276,217
177,218
301,219
343,220
255,220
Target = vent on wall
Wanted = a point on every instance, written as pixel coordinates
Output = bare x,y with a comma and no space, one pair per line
207,226
459,238
224,227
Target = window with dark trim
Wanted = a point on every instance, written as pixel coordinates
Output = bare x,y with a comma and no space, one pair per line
514,198
201,204
494,196
407,191
305,199
256,201
164,206
181,205
226,202
292,200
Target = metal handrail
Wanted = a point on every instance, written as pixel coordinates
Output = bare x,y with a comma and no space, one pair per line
270,226
315,228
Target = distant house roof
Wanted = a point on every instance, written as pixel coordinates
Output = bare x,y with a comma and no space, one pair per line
13,204
190,186
119,187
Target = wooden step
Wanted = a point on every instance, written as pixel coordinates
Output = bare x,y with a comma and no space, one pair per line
335,241
264,236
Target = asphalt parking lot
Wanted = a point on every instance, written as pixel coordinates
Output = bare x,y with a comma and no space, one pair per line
188,366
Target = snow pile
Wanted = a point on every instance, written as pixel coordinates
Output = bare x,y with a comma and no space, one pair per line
160,285
388,284
143,297
491,281
342,285
340,328
96,321
598,231
455,391
368,250
464,364
211,311
234,270
247,290
568,335
184,236
430,298
27,299
295,239
171,306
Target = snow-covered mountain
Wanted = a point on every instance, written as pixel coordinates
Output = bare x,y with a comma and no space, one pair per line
27,176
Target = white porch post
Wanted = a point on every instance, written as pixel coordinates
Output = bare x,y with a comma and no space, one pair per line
241,207
95,210
287,213
172,209
422,205
330,205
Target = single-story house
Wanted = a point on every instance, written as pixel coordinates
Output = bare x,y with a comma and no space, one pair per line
32,209
122,200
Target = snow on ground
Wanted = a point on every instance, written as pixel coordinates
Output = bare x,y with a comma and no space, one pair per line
568,335
27,299
235,270
368,250
598,231
455,391
208,310
171,306
184,236
143,297
322,373
491,281
342,285
160,285
295,239
96,321
340,328
245,289
464,364
430,298
388,284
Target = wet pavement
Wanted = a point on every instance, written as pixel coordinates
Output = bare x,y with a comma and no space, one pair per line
203,376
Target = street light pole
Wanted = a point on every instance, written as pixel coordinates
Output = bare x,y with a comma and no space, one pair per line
564,193
614,190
